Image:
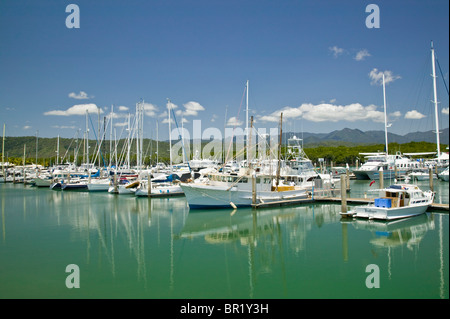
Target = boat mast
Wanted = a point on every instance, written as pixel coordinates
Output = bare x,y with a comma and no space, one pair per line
279,151
87,139
37,132
111,135
3,153
246,119
57,151
157,143
385,117
170,137
435,103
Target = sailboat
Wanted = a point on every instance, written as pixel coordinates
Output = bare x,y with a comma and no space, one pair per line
388,163
161,188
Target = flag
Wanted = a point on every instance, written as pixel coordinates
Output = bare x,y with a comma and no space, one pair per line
371,183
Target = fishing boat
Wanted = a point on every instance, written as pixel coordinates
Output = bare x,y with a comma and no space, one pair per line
394,202
221,190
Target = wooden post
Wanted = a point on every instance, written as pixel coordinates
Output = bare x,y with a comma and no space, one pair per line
343,194
347,179
344,242
254,188
381,178
149,184
430,171
116,190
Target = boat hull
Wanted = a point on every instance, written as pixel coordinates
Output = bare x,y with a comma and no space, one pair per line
160,191
204,196
74,187
98,187
42,182
372,212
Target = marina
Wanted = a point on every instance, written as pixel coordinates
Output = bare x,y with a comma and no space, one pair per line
235,152
140,247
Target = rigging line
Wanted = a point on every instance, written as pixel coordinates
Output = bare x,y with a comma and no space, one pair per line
181,138
93,129
442,75
235,124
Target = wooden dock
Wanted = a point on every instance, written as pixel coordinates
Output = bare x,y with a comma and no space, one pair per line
284,203
433,207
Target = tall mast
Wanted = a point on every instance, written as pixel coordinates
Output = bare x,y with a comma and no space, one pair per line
157,143
385,118
246,117
138,144
87,139
279,151
170,136
57,151
435,103
3,153
129,142
111,135
37,132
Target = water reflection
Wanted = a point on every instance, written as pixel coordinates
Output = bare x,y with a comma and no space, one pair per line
407,232
269,236
151,244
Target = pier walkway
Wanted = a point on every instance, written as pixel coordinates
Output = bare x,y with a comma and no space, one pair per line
433,207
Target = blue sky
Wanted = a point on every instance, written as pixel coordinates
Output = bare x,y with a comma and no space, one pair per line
314,60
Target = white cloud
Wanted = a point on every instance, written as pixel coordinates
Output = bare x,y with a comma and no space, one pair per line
325,112
288,113
172,106
361,55
414,115
192,108
150,109
64,127
445,110
79,109
377,77
166,121
336,51
121,124
26,127
123,108
233,121
80,96
395,114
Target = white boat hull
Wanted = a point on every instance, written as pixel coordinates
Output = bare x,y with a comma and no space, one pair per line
160,191
204,196
99,186
122,190
372,212
42,182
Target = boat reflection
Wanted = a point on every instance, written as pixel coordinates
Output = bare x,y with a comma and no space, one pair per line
407,232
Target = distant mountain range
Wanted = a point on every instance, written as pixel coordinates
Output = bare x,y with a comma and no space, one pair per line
14,146
350,137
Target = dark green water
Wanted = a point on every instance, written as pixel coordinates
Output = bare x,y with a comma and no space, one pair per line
127,247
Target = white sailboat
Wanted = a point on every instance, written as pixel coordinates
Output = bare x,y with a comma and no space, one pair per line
155,187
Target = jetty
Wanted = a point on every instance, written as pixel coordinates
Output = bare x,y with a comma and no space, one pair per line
432,207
